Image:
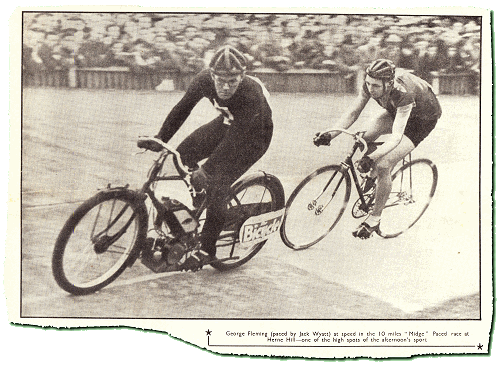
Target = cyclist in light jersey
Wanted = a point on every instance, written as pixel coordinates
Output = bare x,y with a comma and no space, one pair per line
411,113
231,143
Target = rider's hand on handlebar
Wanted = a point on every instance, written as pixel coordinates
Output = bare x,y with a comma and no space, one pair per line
149,144
200,179
365,164
322,139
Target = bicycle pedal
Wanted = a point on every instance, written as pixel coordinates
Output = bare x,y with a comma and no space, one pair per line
364,231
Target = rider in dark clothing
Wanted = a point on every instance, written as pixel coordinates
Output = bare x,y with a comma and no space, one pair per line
231,143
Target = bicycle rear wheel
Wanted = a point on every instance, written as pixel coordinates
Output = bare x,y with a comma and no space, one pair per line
315,207
413,187
254,195
100,239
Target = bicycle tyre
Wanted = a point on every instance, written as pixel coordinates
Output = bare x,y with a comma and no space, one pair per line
297,231
130,208
413,187
272,198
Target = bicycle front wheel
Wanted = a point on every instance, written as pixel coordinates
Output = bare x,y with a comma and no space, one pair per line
413,187
98,241
315,207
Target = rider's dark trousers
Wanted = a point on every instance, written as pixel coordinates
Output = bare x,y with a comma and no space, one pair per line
238,158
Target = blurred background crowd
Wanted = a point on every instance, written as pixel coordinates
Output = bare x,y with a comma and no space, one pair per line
152,42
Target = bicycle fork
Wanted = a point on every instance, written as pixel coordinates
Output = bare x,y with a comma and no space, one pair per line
313,205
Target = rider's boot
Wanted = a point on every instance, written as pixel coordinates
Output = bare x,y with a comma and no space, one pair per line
202,256
196,260
366,229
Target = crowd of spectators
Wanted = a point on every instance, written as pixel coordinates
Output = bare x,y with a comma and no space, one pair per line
152,42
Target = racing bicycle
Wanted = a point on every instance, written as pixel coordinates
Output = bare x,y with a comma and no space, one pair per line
110,231
319,201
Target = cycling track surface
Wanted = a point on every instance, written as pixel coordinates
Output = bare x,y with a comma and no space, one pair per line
77,141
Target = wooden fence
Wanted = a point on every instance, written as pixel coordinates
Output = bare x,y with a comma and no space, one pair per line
456,84
308,82
121,78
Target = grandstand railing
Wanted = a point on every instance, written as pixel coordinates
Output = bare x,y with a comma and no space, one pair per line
46,78
122,78
306,81
456,83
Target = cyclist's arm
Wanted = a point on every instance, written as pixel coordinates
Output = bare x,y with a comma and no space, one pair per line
182,109
352,114
398,128
241,137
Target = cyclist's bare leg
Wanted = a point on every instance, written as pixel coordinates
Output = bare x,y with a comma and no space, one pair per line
378,126
375,128
384,169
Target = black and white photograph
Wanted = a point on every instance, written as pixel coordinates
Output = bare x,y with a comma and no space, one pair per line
257,182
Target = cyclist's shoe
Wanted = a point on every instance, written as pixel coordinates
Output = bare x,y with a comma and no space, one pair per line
369,184
365,231
196,260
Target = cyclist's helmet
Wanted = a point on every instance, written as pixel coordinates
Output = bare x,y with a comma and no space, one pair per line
381,69
228,61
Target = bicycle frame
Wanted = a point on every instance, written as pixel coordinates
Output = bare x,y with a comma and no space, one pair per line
327,191
183,175
154,177
94,262
348,164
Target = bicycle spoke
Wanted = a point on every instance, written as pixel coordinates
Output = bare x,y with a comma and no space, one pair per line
413,188
80,264
303,226
95,223
112,222
332,196
314,202
89,262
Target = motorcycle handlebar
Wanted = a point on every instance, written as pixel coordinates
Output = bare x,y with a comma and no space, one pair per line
157,145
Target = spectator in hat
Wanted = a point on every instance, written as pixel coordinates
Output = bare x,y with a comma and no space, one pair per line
455,62
270,53
429,63
49,53
371,50
167,56
93,52
392,48
309,52
409,55
31,60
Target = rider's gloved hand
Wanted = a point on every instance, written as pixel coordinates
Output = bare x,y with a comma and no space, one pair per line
365,164
322,139
149,144
200,179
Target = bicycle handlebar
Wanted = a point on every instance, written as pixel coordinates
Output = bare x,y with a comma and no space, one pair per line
157,145
358,136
